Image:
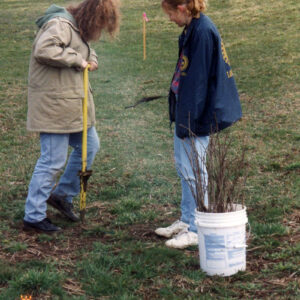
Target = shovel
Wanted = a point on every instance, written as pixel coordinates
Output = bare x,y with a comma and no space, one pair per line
84,174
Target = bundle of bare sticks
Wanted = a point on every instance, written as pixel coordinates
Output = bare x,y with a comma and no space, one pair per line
144,99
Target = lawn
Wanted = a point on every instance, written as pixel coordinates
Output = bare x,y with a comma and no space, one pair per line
134,188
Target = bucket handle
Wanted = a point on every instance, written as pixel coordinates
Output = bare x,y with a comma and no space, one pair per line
248,234
238,246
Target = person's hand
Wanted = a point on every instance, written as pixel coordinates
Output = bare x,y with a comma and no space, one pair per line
93,66
84,64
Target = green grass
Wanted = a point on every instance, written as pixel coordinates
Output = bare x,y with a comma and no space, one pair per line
134,188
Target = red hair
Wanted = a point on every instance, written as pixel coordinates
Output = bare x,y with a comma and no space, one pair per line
93,16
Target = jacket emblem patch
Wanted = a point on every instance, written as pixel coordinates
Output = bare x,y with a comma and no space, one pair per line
184,64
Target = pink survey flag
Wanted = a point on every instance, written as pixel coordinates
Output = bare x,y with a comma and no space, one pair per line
145,17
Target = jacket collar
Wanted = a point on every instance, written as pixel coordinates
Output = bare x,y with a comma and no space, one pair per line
188,30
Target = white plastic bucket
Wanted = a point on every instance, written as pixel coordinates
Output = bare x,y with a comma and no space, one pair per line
222,241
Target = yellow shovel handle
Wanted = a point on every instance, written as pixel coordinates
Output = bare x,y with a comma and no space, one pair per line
84,135
84,113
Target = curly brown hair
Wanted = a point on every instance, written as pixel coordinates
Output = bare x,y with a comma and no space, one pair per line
194,7
93,16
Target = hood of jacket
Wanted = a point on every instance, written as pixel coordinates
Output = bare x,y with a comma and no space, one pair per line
52,12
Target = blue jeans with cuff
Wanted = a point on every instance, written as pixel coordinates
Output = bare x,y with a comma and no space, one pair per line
182,150
54,154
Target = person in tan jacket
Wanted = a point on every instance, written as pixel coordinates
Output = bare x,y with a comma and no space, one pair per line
59,55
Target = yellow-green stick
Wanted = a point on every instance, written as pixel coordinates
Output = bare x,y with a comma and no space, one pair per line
145,19
84,143
144,38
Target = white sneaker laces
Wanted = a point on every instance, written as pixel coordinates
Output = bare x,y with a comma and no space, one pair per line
180,233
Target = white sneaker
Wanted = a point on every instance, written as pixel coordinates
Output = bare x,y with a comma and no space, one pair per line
183,240
172,229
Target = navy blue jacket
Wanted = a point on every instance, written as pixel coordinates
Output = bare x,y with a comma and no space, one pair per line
208,100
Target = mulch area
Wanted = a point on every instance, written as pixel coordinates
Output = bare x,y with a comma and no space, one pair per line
64,250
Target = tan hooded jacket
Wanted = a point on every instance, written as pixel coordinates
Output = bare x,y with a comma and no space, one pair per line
55,82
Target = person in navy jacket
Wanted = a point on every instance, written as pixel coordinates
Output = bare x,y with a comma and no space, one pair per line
203,99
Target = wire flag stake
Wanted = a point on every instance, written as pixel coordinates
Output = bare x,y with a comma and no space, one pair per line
145,19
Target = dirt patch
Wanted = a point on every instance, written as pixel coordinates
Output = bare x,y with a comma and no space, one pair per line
144,232
63,249
292,222
40,248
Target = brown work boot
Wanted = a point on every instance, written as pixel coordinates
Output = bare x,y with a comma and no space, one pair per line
64,207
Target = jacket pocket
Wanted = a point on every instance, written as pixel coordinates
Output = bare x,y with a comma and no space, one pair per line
63,113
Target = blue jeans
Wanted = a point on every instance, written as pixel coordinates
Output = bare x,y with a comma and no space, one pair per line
54,154
182,150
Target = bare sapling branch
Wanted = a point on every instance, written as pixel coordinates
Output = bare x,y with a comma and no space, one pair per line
226,169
